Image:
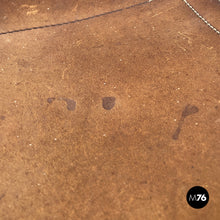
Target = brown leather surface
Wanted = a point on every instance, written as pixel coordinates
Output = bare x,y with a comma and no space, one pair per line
88,111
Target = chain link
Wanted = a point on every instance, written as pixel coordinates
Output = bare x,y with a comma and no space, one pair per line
203,19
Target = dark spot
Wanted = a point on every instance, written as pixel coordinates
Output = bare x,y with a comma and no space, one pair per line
165,207
192,167
188,110
176,134
108,102
22,62
143,182
50,100
2,196
2,117
216,107
71,104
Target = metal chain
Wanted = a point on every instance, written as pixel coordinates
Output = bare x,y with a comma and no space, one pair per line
203,19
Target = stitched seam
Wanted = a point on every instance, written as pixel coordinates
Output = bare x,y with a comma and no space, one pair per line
77,20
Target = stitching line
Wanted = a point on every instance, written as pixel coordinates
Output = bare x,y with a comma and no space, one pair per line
202,18
77,20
